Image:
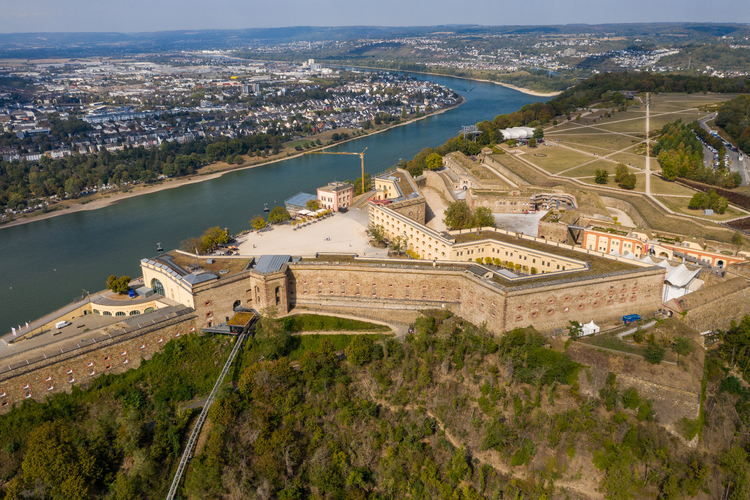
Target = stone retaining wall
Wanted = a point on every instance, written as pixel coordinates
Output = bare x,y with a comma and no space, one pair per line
56,373
625,207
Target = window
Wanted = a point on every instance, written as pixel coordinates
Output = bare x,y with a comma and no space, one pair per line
135,313
157,287
120,313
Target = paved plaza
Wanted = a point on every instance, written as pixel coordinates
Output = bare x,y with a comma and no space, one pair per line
527,224
339,233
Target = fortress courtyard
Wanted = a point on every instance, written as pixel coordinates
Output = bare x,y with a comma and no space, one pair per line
343,232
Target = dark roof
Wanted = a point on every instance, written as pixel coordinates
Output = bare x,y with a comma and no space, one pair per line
479,271
271,263
195,279
336,187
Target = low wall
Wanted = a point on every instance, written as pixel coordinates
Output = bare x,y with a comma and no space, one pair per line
505,171
718,315
437,182
625,207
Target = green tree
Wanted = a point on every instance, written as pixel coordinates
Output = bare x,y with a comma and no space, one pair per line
601,176
575,329
270,334
538,133
213,237
118,285
532,143
312,205
359,350
654,353
68,470
624,178
458,215
367,125
482,217
278,215
733,463
258,222
377,233
682,346
434,161
737,238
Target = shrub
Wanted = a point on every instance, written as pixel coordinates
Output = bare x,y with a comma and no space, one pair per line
654,353
630,398
359,351
645,411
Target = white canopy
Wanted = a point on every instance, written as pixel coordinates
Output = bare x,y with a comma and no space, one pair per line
590,328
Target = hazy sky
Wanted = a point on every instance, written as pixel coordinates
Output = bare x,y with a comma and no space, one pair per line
161,15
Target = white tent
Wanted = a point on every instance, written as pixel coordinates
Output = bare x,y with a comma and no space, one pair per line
590,328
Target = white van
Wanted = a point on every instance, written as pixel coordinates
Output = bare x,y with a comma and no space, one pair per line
62,324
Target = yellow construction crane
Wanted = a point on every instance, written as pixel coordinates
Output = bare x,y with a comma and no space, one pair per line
361,157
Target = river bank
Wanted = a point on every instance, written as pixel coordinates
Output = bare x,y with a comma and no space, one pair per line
506,85
107,200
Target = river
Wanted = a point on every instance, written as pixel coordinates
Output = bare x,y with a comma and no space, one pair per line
49,263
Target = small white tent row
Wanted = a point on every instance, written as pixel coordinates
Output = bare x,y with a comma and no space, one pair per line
590,328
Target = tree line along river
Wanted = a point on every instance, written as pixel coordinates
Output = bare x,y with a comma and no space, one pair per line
49,263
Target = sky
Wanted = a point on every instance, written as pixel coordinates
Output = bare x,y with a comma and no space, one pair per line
164,15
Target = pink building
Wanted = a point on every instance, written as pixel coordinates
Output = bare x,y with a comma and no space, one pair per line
335,196
606,243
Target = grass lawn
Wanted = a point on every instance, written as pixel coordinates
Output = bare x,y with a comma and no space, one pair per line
315,322
529,174
610,341
660,186
556,159
640,181
602,143
488,177
657,122
303,343
680,205
588,170
630,158
625,125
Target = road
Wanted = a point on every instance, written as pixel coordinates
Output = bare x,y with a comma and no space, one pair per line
648,146
735,165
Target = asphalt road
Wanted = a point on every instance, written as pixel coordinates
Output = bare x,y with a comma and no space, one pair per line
733,157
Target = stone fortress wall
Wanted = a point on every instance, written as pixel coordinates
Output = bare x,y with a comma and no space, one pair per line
52,368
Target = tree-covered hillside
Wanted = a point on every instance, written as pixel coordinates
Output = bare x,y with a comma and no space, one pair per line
451,412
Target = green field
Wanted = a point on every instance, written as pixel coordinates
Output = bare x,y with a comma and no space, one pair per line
602,143
630,158
680,205
640,182
660,186
556,159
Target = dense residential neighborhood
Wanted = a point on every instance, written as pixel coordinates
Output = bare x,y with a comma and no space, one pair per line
86,107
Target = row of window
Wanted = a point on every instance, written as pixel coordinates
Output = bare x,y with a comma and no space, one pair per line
70,373
581,307
134,312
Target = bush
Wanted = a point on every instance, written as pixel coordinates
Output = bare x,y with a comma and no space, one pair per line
426,324
359,351
654,353
630,398
688,428
118,285
645,411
